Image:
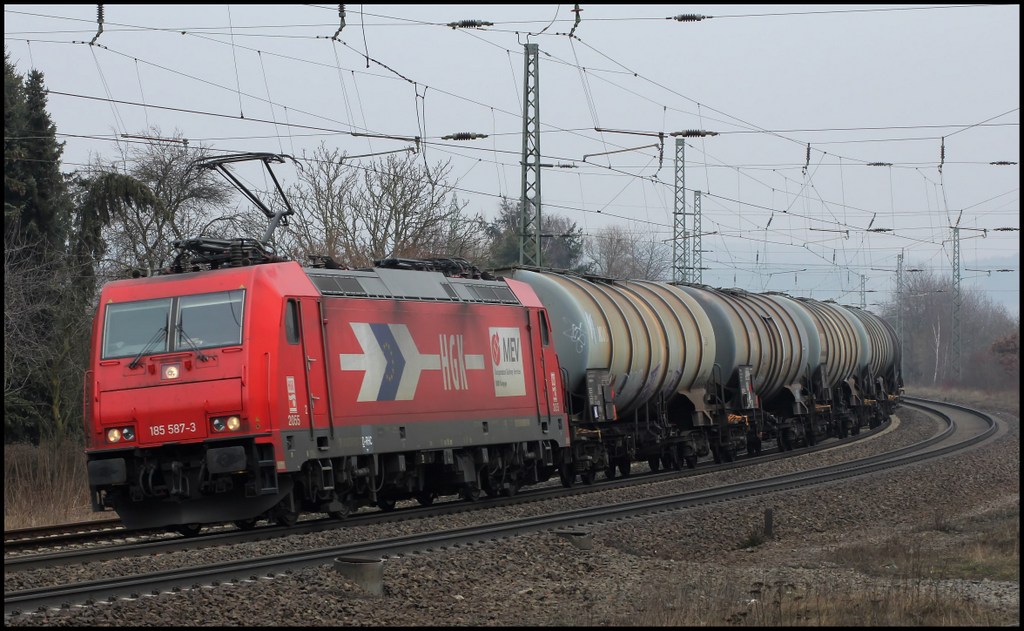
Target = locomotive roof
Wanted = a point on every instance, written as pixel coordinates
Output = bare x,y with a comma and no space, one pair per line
409,285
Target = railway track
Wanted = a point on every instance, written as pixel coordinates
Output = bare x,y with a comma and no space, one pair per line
48,546
83,594
60,533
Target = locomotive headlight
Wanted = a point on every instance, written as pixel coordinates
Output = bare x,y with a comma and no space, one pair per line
120,434
230,423
170,371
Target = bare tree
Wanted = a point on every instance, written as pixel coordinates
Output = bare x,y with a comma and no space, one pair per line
190,201
928,352
937,337
403,211
46,317
322,199
1007,353
626,253
391,208
22,347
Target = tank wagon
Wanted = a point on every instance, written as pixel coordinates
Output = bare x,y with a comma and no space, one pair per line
882,379
632,354
668,373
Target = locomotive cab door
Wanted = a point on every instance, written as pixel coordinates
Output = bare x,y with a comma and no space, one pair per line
303,374
312,344
547,376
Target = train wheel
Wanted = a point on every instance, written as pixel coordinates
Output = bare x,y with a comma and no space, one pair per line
670,461
691,461
625,467
287,518
425,498
609,472
567,475
654,463
470,493
246,524
492,484
510,489
753,447
588,476
188,530
385,504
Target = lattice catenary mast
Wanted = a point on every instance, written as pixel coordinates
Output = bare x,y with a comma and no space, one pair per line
529,237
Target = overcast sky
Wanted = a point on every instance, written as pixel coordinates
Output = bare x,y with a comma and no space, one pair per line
930,93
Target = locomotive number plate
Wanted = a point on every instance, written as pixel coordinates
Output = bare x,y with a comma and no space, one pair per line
173,430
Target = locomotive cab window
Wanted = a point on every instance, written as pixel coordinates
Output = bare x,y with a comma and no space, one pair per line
291,321
202,321
209,320
131,328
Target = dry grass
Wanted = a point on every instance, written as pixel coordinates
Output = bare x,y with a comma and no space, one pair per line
1003,401
719,601
45,485
917,581
981,547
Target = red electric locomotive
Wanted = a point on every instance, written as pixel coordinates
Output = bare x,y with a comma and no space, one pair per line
252,389
268,390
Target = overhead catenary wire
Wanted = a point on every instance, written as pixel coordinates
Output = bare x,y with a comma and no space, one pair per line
812,189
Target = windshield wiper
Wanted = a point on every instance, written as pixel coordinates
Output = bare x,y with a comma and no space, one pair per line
149,345
192,344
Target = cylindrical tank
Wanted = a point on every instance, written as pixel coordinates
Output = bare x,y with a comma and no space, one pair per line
805,319
650,338
752,329
842,340
690,335
884,345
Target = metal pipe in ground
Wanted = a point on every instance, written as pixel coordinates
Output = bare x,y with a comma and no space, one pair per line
582,539
367,573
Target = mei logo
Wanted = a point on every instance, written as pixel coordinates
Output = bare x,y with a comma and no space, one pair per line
507,360
495,349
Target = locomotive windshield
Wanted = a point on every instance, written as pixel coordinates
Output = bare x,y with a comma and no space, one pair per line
201,321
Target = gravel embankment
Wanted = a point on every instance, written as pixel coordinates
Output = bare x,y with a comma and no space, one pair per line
544,579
